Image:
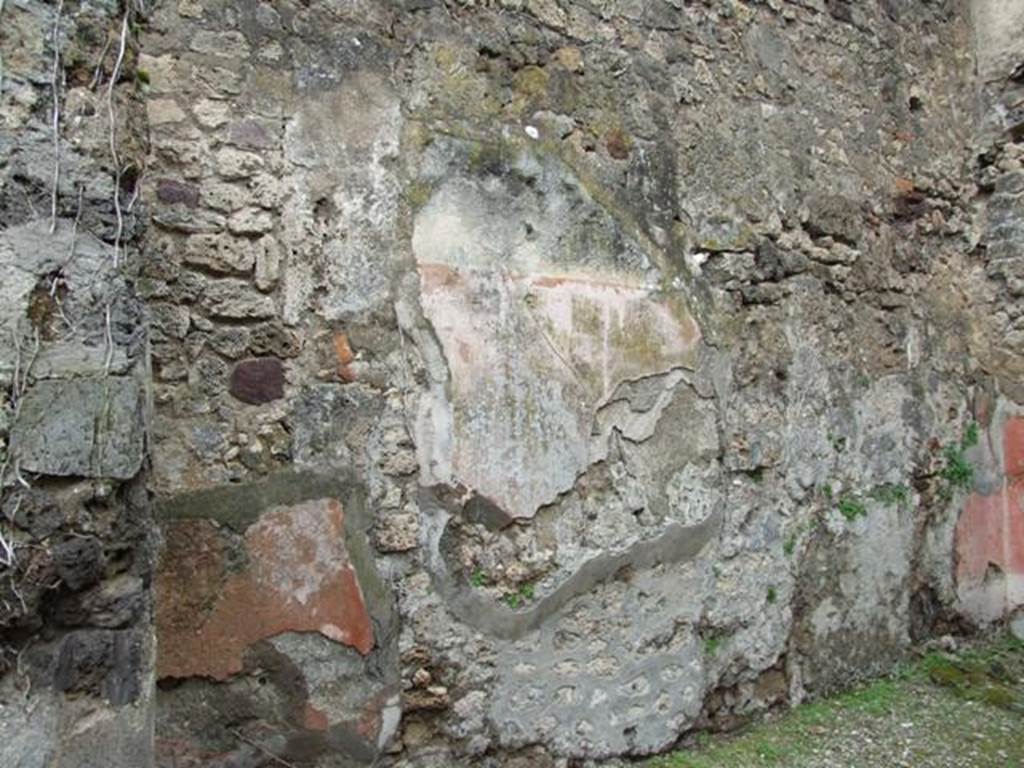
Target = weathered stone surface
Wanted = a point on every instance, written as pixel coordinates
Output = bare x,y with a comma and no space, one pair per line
343,689
297,579
112,605
28,737
76,731
250,221
534,345
162,111
237,164
79,562
645,435
102,662
211,114
70,359
220,253
995,39
221,44
76,684
268,263
29,253
178,218
235,300
397,532
1017,627
251,133
258,381
84,427
345,142
177,193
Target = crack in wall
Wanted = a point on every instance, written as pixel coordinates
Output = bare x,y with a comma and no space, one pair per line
678,543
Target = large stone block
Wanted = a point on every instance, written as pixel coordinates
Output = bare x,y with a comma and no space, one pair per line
81,427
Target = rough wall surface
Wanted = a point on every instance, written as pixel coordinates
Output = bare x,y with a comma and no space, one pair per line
511,382
76,635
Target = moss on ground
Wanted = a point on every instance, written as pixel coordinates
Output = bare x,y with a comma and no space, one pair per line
944,710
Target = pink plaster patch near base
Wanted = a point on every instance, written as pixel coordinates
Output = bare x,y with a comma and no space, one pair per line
990,538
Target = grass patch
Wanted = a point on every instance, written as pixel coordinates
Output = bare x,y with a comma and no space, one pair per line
789,545
520,597
876,699
956,704
891,493
851,508
992,675
958,473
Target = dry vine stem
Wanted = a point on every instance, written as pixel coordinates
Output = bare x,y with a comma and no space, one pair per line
55,87
97,73
109,357
18,387
61,271
7,558
111,113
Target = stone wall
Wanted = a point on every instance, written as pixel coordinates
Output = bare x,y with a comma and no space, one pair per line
76,635
518,381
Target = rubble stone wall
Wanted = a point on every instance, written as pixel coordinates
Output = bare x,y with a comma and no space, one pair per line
513,382
77,684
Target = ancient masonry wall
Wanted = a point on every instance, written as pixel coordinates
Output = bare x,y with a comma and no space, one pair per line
76,550
501,383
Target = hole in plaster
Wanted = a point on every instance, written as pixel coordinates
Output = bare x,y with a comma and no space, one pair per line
129,178
323,210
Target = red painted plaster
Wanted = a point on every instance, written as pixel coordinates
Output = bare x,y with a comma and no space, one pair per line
298,579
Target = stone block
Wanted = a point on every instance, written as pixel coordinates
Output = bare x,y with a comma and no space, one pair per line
83,427
102,662
258,381
235,300
219,253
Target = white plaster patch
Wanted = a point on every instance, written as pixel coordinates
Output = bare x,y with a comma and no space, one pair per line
537,332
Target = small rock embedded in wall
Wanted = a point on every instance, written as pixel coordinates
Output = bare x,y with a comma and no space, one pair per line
176,192
258,381
343,351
